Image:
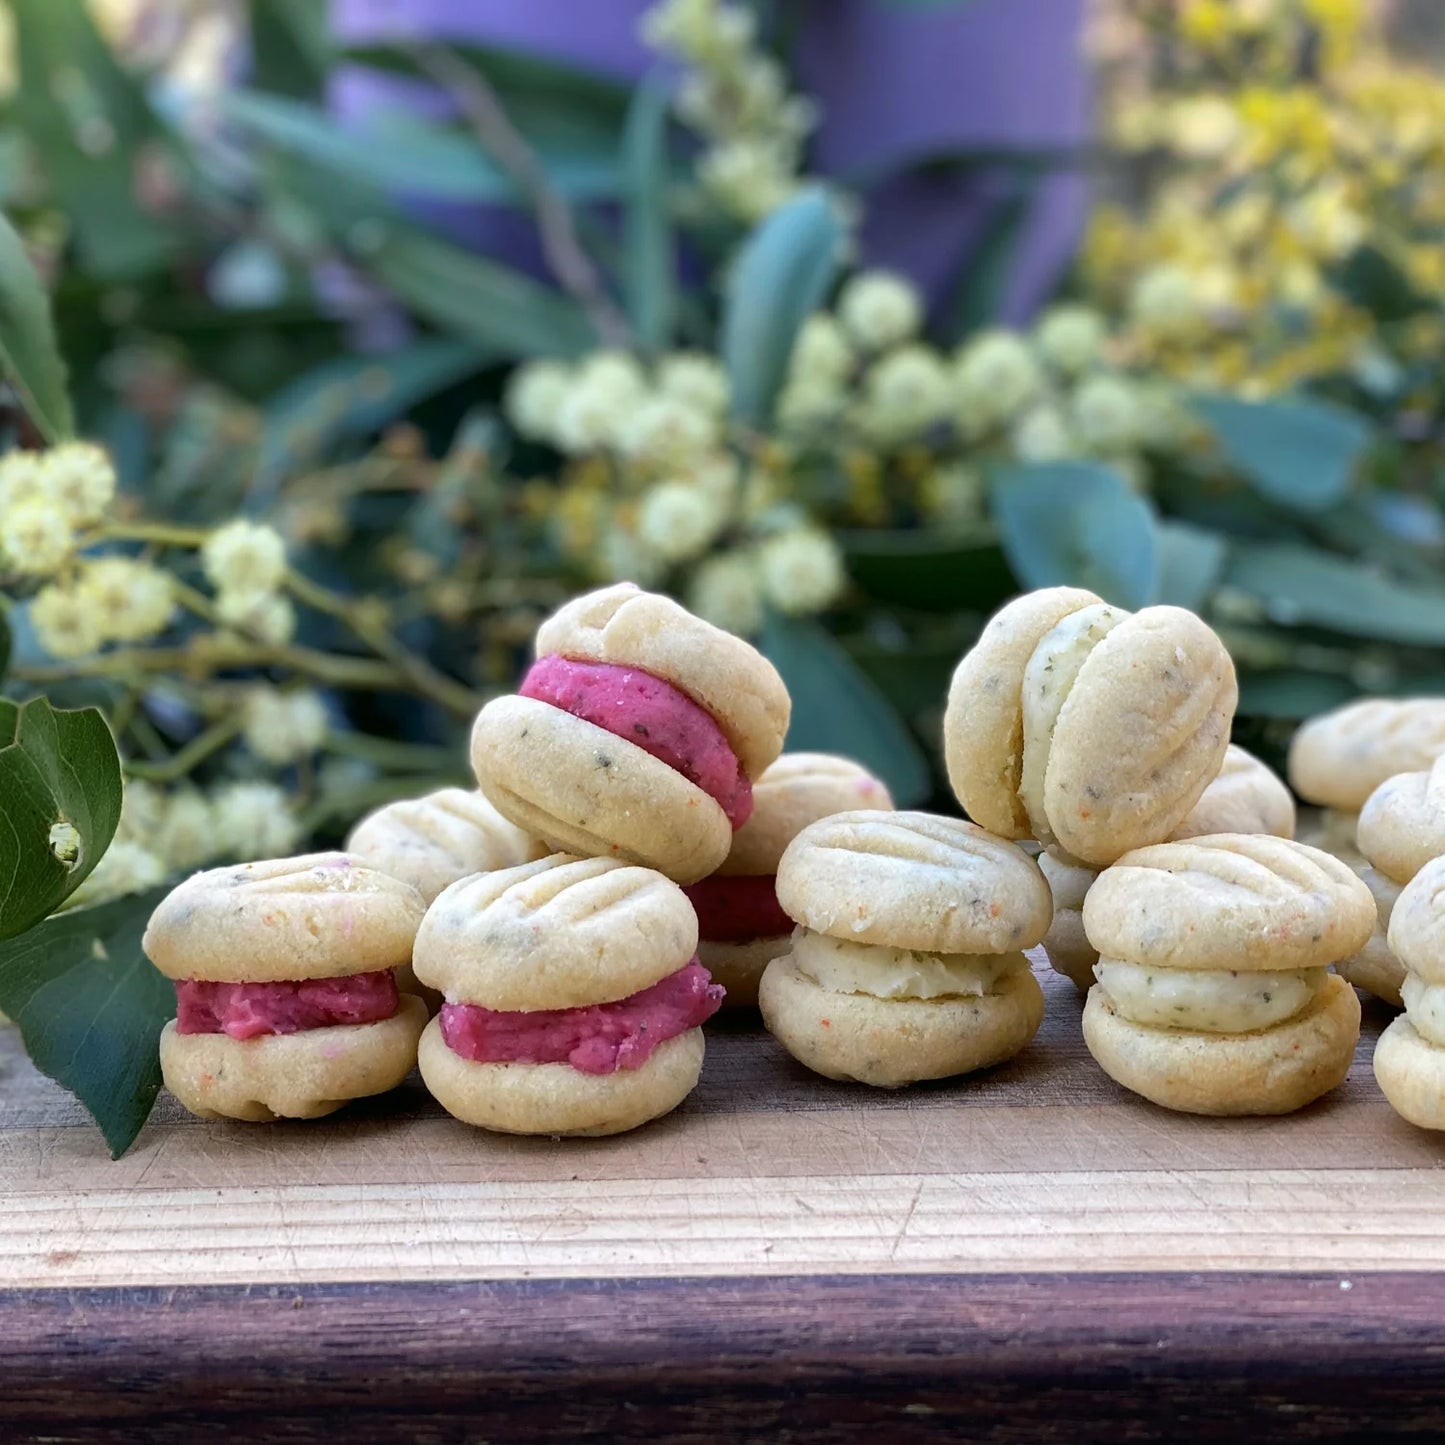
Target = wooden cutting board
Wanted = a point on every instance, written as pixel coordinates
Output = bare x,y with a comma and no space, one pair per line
1037,1201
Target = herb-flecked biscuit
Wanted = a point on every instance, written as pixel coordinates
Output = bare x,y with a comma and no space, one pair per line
433,840
1032,732
1402,825
321,915
1339,758
1375,968
1410,1054
291,1076
1066,944
1417,923
908,959
738,967
1246,797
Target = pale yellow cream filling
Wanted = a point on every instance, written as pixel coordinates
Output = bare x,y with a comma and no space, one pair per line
1214,1000
1049,677
898,973
1425,1008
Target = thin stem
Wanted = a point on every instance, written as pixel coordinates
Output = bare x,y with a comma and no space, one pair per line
493,127
395,755
185,760
164,533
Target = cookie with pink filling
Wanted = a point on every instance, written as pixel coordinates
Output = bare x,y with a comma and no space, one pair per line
637,734
741,924
286,996
574,997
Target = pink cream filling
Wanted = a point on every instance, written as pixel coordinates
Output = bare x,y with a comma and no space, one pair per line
660,718
249,1010
738,910
598,1039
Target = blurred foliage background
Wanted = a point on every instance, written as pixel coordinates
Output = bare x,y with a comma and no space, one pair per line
348,457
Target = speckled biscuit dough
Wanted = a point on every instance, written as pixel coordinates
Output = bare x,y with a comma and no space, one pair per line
1417,923
516,1098
1032,731
738,967
1066,944
892,1042
1411,1074
1271,1071
1246,797
798,789
722,673
290,1076
432,841
1402,825
321,915
1339,758
1234,901
559,933
585,790
1374,968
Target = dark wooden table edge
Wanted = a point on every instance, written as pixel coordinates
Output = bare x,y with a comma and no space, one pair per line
1015,1357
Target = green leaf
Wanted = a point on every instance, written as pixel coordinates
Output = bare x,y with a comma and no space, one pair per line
91,1007
647,270
1290,694
399,153
56,767
1303,587
1190,563
290,50
1371,279
929,571
1076,523
980,290
6,643
29,352
836,709
781,275
352,395
1300,453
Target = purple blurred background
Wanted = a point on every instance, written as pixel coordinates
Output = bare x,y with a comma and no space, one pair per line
898,85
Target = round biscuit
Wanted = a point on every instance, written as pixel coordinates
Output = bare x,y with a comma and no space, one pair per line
1140,736
556,1099
797,790
983,722
1402,825
1374,968
738,967
892,1042
1339,758
1239,901
1417,923
290,1076
1410,1071
914,880
733,681
322,915
1271,1071
1246,797
434,840
1066,944
583,789
559,933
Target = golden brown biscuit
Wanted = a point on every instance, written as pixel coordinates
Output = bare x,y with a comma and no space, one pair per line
322,915
1338,759
1402,825
290,1076
1031,733
738,967
1246,797
432,841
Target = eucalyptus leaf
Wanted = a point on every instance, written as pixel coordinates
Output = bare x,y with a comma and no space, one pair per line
1078,524
780,276
1372,280
836,709
60,791
1300,452
1304,587
648,267
1291,694
29,352
90,1008
981,289
290,51
1191,561
930,571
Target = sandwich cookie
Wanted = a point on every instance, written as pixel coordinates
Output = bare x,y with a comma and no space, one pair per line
1401,828
740,922
1246,797
574,997
1339,758
1213,995
1410,1054
1086,726
637,734
907,962
286,1000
